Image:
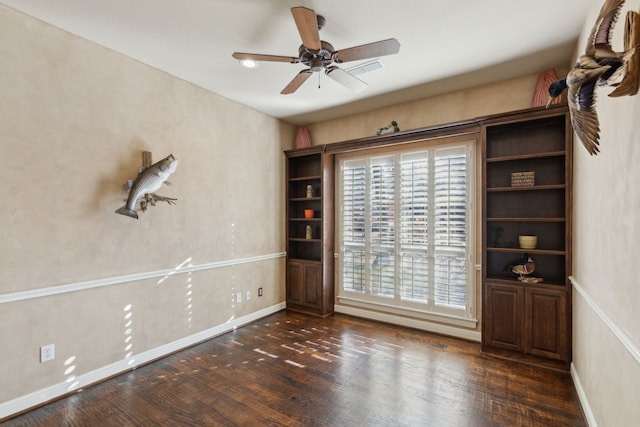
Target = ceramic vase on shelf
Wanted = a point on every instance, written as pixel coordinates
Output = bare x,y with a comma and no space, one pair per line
527,242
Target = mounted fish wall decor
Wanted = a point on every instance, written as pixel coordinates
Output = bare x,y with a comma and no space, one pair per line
149,180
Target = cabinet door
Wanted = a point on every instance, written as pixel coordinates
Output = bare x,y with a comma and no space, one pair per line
304,283
312,284
546,323
504,316
295,281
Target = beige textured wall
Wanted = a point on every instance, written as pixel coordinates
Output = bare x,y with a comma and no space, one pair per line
606,236
514,94
74,119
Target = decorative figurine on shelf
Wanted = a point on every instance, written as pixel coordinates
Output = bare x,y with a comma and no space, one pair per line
600,65
309,191
308,233
523,270
149,179
393,127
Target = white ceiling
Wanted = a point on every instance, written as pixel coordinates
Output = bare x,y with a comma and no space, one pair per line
445,45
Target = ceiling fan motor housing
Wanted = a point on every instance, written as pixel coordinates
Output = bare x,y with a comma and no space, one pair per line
316,60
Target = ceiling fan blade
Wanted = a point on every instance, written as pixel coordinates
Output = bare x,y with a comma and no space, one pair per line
297,82
365,51
260,57
346,79
307,24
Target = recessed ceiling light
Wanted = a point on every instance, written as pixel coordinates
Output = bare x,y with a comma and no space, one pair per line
249,63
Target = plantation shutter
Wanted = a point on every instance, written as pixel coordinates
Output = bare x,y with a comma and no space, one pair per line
414,227
353,225
404,230
450,226
382,202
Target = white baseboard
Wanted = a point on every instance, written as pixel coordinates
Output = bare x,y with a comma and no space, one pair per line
41,396
586,408
409,322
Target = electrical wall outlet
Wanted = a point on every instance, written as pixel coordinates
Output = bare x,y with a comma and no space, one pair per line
259,292
247,295
238,297
47,352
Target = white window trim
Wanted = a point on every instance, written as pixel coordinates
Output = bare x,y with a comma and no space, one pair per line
348,301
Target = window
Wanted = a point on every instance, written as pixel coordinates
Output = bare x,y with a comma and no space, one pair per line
405,231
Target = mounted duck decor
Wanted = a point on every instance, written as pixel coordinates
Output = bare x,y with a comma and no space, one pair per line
600,65
149,180
393,127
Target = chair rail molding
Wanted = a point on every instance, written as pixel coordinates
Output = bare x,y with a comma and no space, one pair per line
183,268
619,333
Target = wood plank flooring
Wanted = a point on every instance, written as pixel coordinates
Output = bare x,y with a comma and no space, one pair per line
290,369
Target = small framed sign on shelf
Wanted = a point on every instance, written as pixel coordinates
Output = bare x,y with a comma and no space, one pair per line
523,179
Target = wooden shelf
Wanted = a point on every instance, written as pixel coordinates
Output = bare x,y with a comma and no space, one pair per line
515,281
305,199
302,239
527,251
526,220
309,262
520,319
530,188
526,156
305,178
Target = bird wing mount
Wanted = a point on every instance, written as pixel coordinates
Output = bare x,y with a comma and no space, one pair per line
601,32
631,80
585,120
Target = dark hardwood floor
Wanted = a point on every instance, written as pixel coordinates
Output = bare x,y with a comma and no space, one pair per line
294,370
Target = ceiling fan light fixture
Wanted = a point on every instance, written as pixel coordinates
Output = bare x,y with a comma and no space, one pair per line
316,65
249,63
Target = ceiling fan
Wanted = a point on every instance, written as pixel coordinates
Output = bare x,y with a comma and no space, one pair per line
319,55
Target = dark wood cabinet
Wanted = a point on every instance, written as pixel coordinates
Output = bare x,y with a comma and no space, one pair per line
304,280
545,315
504,316
527,168
309,237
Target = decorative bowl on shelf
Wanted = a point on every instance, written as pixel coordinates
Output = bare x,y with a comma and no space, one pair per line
528,242
308,213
